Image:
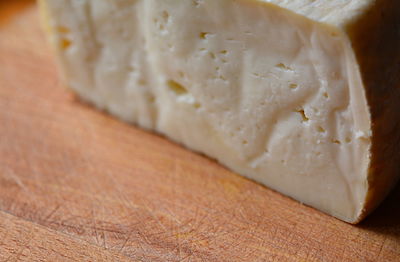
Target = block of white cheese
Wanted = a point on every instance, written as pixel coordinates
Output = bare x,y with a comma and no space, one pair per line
302,96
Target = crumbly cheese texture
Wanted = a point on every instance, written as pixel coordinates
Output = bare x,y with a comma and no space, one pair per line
286,93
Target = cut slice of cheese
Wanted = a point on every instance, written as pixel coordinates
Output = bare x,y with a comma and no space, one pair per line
300,95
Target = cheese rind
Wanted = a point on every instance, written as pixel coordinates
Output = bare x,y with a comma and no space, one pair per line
275,90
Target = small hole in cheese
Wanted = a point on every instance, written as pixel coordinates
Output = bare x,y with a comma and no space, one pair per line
303,115
142,82
165,16
203,35
176,87
284,67
65,43
151,98
63,30
197,3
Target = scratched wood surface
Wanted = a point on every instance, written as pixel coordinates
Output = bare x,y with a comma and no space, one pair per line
76,184
22,240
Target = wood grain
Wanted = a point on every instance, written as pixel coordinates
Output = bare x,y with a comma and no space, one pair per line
72,174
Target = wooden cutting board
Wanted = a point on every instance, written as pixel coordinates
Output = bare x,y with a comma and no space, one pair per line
76,184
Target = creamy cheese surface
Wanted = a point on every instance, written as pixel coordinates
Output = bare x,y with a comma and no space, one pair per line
334,12
271,89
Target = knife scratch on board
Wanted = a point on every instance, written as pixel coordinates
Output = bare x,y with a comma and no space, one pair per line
103,230
95,226
381,249
9,173
128,238
47,218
